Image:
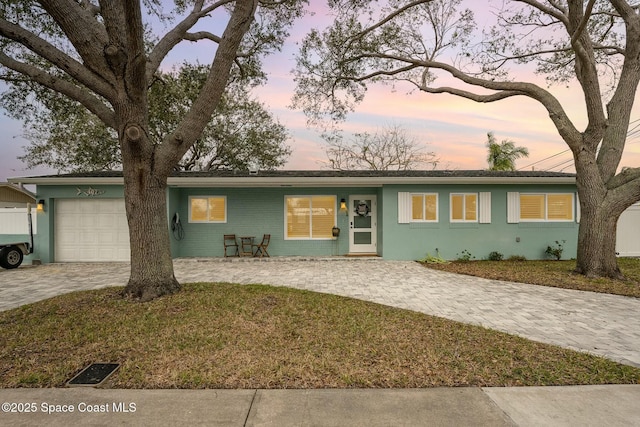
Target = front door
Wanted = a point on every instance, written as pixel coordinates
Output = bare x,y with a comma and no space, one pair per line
362,224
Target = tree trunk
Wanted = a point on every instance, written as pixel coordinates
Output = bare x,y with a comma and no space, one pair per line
151,263
597,242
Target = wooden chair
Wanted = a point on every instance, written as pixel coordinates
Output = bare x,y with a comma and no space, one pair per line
261,248
230,243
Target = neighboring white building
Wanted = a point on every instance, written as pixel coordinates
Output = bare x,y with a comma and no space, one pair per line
628,234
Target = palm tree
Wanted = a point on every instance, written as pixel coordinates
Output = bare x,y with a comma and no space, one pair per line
503,156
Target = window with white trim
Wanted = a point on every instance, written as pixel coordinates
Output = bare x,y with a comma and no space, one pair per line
310,217
208,209
549,207
424,207
463,207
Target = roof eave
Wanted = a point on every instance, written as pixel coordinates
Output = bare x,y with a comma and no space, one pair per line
356,181
52,180
257,181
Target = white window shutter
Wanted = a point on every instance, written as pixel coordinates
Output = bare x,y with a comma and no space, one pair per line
513,207
404,207
577,208
484,208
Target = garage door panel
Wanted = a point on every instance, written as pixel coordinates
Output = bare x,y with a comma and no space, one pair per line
107,253
108,238
88,206
91,230
87,222
106,221
87,239
70,206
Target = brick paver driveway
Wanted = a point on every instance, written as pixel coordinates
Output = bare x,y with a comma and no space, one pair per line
602,324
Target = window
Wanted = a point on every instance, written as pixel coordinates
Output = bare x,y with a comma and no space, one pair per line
546,207
310,217
207,209
424,207
464,207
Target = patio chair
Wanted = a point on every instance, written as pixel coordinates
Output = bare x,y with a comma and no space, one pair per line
261,248
230,243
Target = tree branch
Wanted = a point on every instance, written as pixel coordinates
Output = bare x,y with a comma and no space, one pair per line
628,175
84,31
55,56
191,126
558,12
92,103
624,188
583,23
627,12
474,96
177,34
620,105
388,18
201,35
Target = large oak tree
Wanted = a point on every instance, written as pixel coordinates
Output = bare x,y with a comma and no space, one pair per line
96,53
594,44
67,137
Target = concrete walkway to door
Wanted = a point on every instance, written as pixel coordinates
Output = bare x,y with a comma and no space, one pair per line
601,324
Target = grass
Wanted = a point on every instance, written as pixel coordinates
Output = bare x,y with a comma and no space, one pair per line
550,273
233,336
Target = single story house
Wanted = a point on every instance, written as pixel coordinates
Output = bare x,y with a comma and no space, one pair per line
399,215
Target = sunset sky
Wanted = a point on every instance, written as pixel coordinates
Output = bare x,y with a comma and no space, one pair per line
454,128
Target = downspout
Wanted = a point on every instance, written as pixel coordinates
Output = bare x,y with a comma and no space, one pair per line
30,228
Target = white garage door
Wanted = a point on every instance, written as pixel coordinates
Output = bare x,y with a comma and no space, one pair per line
628,234
91,230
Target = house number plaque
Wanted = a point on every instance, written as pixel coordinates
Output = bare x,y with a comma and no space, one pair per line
89,192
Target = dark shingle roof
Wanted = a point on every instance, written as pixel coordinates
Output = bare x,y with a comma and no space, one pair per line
336,174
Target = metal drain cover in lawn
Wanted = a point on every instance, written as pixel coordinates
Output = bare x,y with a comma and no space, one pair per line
94,374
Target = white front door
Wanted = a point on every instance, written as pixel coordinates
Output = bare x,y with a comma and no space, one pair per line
362,224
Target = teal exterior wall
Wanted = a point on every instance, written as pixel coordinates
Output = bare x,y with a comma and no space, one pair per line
530,239
258,211
255,212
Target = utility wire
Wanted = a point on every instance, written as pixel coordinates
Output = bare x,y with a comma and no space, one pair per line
545,159
633,132
566,162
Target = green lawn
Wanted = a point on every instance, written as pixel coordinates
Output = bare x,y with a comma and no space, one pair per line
550,273
218,335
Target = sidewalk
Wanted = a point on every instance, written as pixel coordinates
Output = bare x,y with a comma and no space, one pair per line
527,406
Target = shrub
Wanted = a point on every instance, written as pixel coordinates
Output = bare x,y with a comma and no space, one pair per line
430,259
555,251
464,256
517,258
496,256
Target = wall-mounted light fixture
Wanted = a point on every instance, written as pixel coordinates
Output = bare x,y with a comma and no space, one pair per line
40,206
343,205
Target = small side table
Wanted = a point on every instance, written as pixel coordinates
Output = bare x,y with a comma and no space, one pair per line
246,245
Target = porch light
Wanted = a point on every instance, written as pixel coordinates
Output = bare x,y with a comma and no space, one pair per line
343,205
40,206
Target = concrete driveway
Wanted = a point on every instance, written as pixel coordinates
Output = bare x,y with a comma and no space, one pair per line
601,324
